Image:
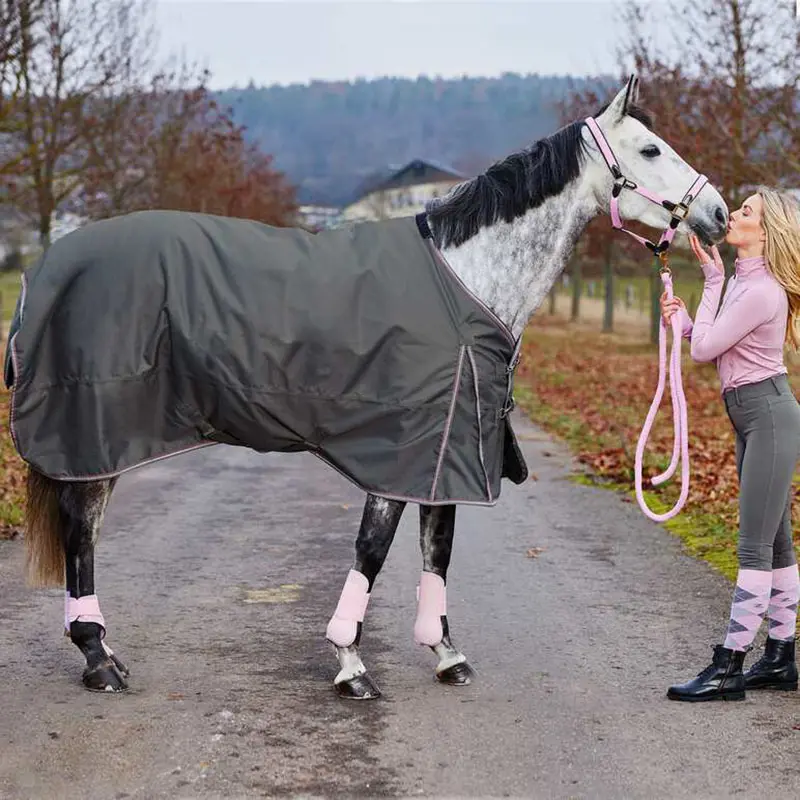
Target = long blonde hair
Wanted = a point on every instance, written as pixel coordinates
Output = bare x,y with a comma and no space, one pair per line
781,220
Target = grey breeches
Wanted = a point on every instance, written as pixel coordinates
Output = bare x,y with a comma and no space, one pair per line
766,418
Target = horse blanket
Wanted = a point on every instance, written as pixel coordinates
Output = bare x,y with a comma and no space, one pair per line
146,335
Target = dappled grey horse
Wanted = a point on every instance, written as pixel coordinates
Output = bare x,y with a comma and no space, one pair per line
410,402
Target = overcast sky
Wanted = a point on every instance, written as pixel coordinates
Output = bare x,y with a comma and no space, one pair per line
297,41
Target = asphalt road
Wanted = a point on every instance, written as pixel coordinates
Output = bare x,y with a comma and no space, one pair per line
217,573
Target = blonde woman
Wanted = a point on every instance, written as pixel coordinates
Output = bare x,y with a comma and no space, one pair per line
745,336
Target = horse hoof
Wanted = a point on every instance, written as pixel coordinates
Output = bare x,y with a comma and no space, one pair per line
105,678
361,687
121,668
457,675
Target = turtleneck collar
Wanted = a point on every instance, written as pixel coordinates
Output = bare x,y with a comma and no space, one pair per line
748,266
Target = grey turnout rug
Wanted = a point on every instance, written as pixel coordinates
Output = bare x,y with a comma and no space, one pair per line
146,335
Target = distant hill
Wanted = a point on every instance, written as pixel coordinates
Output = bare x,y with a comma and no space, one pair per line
331,138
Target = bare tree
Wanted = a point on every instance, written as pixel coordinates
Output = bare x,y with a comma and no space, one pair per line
9,38
173,147
138,135
727,85
68,56
15,17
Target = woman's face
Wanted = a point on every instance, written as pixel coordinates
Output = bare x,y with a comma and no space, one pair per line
745,230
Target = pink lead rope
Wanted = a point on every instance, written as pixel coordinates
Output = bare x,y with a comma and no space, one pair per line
679,416
678,212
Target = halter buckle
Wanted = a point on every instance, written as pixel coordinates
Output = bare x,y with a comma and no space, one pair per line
620,183
663,257
681,211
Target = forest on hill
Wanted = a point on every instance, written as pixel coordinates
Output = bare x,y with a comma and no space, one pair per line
330,137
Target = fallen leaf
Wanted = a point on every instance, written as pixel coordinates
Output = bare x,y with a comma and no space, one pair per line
533,552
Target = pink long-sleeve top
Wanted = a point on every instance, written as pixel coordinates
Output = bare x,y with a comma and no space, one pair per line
746,338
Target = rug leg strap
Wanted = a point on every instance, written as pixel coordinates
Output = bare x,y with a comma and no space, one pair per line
431,607
343,626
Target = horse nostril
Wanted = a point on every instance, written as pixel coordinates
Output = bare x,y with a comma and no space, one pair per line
721,216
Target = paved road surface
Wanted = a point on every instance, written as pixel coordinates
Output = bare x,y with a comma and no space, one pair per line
230,698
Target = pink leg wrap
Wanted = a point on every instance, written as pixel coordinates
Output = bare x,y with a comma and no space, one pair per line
432,606
343,625
83,609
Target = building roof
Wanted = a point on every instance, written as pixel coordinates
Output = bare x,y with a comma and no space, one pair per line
412,174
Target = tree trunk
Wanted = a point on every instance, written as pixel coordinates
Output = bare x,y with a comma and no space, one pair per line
608,311
44,231
552,308
576,290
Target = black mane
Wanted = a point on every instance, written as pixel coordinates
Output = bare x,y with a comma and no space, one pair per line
513,186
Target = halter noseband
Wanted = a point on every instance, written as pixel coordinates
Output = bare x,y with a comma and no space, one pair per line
678,212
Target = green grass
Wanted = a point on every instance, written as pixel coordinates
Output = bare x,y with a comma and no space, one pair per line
9,291
11,514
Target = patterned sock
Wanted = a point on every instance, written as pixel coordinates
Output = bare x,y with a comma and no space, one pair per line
750,601
782,611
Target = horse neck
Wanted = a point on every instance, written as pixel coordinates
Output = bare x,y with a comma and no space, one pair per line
511,266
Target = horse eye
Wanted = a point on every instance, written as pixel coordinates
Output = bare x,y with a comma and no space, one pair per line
651,151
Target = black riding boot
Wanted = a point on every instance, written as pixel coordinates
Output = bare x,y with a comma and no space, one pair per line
721,680
776,669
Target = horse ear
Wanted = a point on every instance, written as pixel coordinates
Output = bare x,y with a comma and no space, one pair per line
618,107
632,96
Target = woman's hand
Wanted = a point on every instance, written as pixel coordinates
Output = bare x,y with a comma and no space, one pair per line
704,257
670,307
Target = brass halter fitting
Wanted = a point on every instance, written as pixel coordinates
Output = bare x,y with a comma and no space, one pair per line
663,257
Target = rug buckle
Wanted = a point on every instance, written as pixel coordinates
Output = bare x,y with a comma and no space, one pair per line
507,408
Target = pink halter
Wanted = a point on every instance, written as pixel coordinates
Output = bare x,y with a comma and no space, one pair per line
678,212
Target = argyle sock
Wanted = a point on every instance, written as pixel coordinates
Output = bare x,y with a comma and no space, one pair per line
750,602
782,611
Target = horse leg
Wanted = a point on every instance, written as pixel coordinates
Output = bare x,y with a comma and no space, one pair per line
378,525
437,527
81,507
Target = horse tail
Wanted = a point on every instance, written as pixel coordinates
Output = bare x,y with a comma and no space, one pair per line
44,549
